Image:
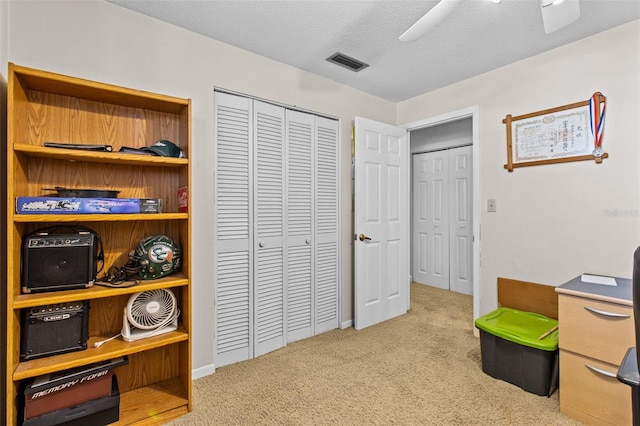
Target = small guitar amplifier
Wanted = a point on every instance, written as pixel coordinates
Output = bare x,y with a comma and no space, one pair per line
54,329
53,262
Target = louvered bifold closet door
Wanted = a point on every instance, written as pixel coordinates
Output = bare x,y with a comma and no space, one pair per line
326,221
300,196
269,251
233,268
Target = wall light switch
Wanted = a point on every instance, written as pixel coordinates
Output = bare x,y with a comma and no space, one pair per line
491,205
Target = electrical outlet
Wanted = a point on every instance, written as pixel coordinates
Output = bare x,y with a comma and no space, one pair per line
491,205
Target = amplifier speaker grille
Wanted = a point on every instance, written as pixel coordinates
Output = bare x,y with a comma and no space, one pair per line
58,262
54,329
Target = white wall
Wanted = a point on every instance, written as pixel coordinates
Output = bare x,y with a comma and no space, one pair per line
103,42
555,221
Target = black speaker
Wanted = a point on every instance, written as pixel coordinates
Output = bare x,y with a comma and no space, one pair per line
54,329
58,262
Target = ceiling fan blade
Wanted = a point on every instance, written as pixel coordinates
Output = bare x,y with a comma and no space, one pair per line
430,19
559,14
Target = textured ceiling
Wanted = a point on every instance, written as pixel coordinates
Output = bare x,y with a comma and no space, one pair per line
477,37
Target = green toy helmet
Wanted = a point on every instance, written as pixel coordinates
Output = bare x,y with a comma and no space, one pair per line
156,256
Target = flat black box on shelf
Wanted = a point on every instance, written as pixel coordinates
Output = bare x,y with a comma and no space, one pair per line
99,412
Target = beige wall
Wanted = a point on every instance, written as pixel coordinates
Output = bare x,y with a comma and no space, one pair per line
554,222
103,42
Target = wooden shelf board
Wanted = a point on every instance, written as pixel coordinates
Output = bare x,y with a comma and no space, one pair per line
153,404
114,217
100,157
49,82
95,292
112,349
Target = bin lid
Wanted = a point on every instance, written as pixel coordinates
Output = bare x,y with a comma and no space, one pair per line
521,327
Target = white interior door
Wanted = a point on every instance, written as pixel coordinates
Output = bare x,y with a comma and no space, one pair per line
442,226
381,222
269,259
233,227
327,229
461,227
300,196
431,219
276,227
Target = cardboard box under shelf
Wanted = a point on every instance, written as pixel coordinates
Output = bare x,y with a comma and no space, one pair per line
51,392
97,412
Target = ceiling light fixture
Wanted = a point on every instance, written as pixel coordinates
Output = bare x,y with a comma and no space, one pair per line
557,14
546,3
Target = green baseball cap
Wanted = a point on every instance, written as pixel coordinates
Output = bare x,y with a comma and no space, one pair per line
165,148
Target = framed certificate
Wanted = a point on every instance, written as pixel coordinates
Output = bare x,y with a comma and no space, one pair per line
554,135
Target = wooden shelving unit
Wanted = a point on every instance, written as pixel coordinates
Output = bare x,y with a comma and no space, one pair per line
45,107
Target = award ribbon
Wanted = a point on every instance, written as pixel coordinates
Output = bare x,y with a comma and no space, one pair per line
597,121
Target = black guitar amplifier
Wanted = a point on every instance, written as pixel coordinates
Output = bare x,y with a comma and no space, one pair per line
54,329
58,262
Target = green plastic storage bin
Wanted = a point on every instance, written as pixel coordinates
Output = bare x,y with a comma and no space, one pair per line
524,328
512,350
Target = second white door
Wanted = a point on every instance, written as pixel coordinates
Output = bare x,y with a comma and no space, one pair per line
442,232
381,222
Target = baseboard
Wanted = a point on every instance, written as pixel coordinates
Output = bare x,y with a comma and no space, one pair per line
346,324
201,372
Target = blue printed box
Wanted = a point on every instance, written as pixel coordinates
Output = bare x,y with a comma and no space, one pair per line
66,205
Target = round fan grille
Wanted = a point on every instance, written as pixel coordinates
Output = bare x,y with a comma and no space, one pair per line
151,309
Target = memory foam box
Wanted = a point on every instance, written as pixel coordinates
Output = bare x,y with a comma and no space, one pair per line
69,388
97,412
512,349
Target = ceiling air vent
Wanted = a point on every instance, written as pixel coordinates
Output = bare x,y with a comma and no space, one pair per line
347,62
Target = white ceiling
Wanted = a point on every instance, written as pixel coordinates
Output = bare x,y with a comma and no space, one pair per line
477,37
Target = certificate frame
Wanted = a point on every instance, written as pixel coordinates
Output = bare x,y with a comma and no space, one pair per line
554,135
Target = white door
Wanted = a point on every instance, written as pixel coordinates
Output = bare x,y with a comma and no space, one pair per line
312,225
269,258
300,170
461,228
442,228
326,225
431,219
381,222
276,227
233,226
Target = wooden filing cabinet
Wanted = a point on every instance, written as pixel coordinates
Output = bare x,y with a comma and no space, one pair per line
596,329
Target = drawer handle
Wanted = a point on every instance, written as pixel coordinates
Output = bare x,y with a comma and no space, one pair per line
606,314
600,371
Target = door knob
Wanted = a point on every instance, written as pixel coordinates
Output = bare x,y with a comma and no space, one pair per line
261,244
363,237
307,241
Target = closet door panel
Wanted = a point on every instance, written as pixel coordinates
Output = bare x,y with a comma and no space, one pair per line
300,195
326,222
233,231
270,280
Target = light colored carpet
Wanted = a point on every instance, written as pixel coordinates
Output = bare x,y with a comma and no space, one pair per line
423,368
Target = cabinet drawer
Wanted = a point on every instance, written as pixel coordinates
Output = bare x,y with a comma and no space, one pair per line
596,329
583,390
